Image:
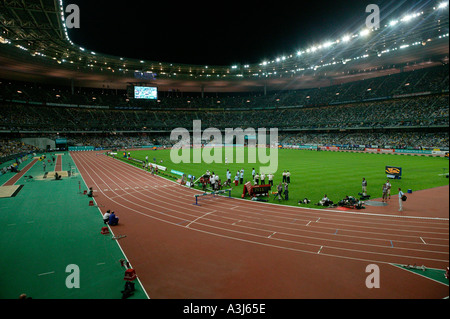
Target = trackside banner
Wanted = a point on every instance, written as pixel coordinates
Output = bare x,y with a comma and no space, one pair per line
380,150
412,151
393,170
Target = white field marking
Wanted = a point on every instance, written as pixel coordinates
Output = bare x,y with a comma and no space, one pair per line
46,273
338,241
320,249
423,240
204,215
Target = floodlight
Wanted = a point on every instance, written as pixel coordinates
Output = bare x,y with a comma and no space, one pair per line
346,38
364,32
443,5
407,17
393,22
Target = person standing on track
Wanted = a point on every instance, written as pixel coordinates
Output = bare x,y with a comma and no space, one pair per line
400,199
384,196
388,186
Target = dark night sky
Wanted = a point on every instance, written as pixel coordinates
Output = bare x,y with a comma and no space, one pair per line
219,33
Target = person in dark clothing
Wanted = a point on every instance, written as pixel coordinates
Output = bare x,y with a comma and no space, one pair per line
286,191
113,219
280,191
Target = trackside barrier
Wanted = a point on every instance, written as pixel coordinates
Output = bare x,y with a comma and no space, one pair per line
221,192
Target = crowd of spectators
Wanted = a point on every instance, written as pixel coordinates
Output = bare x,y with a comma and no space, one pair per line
434,79
396,139
10,147
406,107
431,110
389,139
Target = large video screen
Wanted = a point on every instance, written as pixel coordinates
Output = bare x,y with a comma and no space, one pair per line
145,92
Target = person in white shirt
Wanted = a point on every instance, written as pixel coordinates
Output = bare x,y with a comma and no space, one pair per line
212,180
263,179
228,177
106,216
270,176
400,201
325,201
288,177
388,187
256,179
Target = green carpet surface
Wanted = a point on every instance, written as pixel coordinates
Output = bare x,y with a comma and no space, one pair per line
49,226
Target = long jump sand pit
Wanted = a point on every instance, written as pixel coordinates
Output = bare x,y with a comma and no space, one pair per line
10,191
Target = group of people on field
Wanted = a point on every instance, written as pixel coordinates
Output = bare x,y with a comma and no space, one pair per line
386,193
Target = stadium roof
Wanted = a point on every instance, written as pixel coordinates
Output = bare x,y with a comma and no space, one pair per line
35,46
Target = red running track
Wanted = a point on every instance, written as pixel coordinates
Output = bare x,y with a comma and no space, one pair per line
13,180
233,248
58,163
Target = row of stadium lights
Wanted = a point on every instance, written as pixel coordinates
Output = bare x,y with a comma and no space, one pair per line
345,39
311,50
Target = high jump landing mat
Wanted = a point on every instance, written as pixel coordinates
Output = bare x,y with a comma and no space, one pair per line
10,191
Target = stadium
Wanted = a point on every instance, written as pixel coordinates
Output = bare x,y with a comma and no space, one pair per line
228,181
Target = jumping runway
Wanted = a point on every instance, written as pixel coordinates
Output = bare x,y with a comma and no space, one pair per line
233,248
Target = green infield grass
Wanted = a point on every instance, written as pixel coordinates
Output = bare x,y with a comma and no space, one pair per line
314,174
